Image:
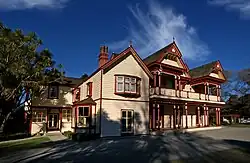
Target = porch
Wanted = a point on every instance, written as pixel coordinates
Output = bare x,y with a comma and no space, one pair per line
179,114
172,86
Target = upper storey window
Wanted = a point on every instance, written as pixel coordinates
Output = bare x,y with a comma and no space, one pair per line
127,84
53,91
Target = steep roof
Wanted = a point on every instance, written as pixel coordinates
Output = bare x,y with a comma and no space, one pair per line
155,56
120,57
202,70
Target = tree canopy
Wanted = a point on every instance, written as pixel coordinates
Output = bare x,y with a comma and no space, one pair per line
236,91
23,66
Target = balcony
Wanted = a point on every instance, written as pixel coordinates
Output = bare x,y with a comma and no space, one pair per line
183,94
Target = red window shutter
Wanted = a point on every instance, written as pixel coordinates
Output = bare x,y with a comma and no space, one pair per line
90,88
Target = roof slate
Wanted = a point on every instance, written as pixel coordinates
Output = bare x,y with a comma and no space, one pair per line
202,70
155,56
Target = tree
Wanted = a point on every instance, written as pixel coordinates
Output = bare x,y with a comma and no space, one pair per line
84,76
234,90
23,69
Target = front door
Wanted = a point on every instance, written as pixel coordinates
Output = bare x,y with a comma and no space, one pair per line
53,121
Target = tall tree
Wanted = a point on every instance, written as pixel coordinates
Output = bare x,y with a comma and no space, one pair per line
23,69
234,90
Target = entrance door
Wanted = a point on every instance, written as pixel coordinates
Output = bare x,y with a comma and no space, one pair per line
53,121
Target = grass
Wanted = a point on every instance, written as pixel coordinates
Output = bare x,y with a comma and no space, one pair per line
230,155
240,125
36,142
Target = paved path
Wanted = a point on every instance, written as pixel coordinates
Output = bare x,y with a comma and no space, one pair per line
155,149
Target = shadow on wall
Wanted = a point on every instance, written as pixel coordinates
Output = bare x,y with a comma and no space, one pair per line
64,99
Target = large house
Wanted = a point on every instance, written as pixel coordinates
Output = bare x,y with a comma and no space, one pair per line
127,95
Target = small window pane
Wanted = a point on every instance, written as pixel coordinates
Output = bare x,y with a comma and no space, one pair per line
129,127
133,80
86,111
124,114
119,78
127,87
80,111
127,80
120,87
133,87
129,114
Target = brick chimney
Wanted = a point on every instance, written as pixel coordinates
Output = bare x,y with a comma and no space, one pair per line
103,56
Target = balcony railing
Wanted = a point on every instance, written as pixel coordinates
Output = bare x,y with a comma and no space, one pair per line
183,94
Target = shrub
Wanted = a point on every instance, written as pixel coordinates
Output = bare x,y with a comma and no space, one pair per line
68,134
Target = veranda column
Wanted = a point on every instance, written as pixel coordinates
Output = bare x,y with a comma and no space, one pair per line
179,85
207,113
159,78
217,92
153,116
158,115
176,85
219,116
216,116
154,73
205,116
174,118
205,86
179,116
208,91
199,118
186,110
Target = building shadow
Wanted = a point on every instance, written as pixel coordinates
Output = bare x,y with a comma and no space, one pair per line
185,147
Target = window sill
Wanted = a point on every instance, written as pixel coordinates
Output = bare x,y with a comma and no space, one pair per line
126,94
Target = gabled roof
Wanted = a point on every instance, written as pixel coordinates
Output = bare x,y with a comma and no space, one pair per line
129,51
155,56
202,70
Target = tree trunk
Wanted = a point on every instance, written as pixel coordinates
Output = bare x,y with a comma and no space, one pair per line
5,121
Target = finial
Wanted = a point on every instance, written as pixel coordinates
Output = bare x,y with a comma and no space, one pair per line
173,39
130,43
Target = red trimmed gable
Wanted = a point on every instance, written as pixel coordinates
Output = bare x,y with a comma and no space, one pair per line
129,51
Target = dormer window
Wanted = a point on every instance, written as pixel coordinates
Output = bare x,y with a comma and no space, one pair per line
127,85
53,91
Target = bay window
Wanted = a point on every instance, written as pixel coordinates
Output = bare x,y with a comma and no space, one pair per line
127,84
83,117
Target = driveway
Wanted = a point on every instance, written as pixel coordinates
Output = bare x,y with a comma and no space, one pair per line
194,147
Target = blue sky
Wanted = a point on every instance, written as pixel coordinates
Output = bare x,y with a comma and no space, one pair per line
73,30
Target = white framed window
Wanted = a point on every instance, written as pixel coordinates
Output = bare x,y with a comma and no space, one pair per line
66,115
39,115
127,121
119,84
127,84
83,117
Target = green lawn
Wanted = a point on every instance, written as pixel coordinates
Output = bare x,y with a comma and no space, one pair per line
36,142
240,125
232,155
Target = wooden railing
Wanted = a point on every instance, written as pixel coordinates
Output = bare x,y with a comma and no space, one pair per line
182,94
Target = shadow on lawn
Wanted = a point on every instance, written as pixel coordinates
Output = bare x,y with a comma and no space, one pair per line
185,147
